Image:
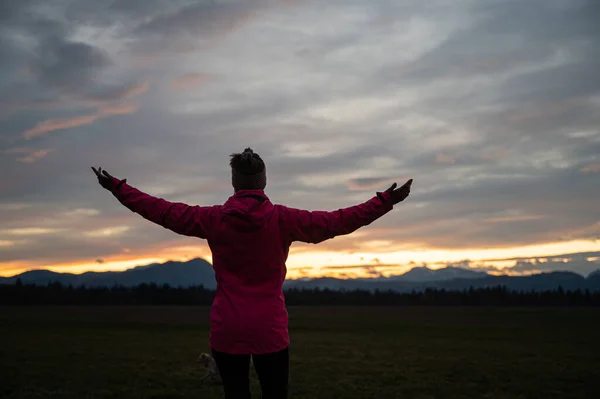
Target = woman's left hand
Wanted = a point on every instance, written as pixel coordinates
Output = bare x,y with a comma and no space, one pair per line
104,178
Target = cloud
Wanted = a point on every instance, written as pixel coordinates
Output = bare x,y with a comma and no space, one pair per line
188,81
107,232
81,212
367,183
29,155
119,92
372,272
122,109
592,168
512,217
59,124
581,263
51,125
186,28
66,64
365,267
29,231
443,158
198,19
490,108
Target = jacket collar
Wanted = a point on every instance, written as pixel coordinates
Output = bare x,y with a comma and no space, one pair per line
256,194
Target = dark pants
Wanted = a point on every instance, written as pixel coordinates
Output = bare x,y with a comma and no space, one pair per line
272,369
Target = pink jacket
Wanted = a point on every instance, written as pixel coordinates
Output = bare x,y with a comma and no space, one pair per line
250,239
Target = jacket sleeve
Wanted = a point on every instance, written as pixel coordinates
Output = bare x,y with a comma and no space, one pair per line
195,221
317,226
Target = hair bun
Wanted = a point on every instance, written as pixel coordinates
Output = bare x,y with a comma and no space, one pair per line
248,155
247,162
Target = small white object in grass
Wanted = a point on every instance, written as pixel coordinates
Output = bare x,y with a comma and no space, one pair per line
212,371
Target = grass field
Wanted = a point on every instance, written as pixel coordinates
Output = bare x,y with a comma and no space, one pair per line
416,353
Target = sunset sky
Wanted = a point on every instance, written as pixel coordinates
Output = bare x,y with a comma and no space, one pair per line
492,106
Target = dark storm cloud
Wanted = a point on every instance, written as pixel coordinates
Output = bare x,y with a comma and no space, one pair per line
517,70
66,64
43,50
203,18
505,35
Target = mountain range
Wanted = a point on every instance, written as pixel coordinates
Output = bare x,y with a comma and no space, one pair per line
199,272
176,274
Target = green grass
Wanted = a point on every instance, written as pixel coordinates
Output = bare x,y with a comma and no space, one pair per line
417,353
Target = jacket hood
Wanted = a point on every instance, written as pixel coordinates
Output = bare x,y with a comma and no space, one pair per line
248,210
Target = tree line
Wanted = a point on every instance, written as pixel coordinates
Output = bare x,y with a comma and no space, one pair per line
152,294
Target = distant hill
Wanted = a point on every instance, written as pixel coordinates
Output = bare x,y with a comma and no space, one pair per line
175,274
537,282
594,274
421,274
200,272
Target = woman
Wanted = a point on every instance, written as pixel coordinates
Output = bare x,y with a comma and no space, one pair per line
250,239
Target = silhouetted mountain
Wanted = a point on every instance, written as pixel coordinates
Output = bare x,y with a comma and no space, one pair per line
43,277
176,274
199,272
594,274
538,282
421,274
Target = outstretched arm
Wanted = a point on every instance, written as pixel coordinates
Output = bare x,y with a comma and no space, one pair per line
183,219
317,226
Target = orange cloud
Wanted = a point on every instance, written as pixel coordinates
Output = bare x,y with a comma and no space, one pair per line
443,158
59,124
513,218
592,168
122,109
30,155
135,90
549,110
494,155
34,156
188,81
9,107
124,93
51,125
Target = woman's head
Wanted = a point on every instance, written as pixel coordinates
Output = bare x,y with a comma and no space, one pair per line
248,171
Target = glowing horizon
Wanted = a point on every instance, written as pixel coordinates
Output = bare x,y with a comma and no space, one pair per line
319,263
